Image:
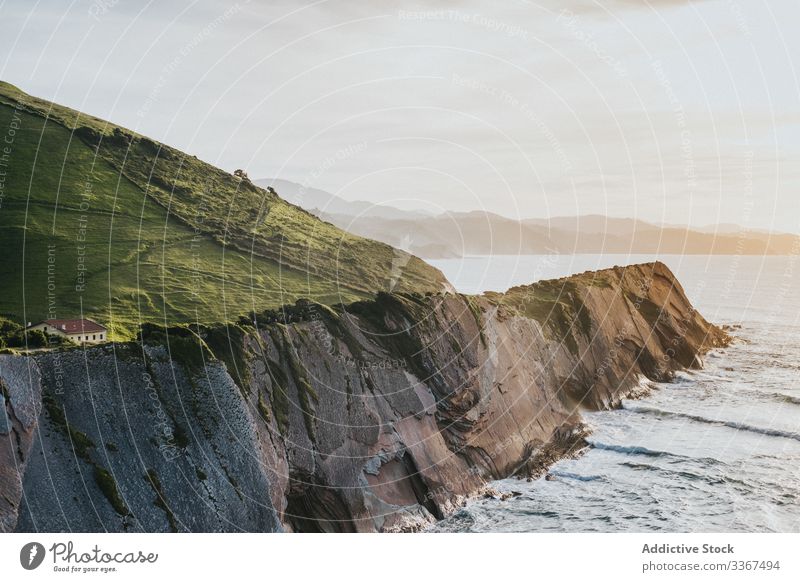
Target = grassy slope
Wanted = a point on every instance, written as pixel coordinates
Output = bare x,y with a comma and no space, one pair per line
168,238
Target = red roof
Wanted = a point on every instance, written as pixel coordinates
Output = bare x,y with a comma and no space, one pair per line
74,325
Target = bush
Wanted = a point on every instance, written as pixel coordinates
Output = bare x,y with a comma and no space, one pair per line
8,327
10,334
55,341
36,338
242,175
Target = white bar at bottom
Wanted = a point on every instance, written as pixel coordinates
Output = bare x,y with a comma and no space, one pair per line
389,557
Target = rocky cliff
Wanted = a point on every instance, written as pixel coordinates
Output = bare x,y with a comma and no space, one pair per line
381,415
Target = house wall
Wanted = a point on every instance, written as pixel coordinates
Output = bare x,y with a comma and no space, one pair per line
91,338
49,329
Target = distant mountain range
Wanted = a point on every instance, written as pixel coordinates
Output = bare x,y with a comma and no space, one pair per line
455,234
319,201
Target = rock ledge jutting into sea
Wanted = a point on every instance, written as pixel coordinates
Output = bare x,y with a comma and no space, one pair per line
381,415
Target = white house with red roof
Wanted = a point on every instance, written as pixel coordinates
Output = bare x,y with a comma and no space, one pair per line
78,330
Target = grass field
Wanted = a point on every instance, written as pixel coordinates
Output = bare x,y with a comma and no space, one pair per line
101,222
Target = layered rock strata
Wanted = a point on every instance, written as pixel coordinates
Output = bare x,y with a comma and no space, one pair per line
381,415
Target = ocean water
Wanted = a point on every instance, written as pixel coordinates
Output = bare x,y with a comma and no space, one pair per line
718,450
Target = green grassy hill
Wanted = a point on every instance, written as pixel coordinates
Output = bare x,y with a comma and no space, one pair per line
96,220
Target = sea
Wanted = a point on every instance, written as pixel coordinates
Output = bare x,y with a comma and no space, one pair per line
717,450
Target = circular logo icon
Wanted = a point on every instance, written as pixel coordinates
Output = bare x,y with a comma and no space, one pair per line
31,555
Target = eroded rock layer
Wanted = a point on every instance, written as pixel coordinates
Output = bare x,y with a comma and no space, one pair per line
381,415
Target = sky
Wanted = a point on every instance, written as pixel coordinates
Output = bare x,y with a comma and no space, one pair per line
673,111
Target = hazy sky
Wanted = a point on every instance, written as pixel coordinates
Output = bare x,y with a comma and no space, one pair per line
666,110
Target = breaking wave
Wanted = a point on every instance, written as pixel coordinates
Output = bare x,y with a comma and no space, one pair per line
773,432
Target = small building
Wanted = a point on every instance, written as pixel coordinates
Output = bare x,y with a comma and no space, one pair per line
78,330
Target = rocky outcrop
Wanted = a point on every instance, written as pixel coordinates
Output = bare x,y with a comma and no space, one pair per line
381,415
20,406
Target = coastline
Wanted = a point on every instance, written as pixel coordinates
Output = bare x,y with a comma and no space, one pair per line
493,385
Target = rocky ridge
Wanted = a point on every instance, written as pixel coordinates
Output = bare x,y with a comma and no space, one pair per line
382,415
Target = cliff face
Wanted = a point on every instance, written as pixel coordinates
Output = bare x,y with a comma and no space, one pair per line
382,415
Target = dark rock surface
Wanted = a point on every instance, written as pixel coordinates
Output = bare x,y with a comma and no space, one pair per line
383,415
20,405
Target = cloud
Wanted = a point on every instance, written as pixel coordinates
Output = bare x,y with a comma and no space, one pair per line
476,105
